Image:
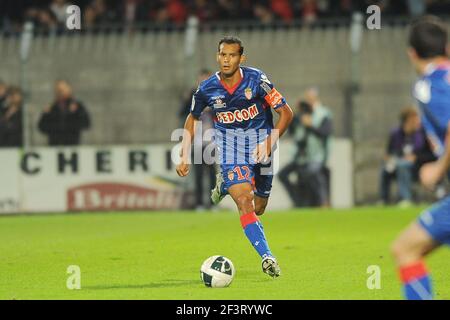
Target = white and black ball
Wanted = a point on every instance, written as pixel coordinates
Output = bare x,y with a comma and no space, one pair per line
217,272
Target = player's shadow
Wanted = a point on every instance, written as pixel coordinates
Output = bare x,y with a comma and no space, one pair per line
162,284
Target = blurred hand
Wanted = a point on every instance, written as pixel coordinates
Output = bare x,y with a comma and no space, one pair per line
183,169
262,152
11,110
430,174
410,158
307,120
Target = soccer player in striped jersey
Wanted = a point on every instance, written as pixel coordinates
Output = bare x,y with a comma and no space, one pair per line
428,53
242,99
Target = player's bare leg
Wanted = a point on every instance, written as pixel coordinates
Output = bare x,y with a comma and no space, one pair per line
260,205
409,250
243,196
413,244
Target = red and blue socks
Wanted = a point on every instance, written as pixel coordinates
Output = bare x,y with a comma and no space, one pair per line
254,231
416,282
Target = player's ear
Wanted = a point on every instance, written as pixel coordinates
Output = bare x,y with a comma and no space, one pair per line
412,54
217,57
243,58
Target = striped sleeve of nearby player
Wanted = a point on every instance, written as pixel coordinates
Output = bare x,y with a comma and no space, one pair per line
270,94
433,100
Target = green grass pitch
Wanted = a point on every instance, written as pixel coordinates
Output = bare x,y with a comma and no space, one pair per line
323,255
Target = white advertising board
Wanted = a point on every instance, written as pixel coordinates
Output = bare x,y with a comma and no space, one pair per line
89,179
113,178
10,198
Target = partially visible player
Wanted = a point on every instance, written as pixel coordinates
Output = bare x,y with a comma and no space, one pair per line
242,99
428,53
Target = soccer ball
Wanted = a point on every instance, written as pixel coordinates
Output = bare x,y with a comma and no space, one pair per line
217,272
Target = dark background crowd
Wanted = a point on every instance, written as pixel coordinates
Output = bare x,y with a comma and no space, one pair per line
62,121
51,14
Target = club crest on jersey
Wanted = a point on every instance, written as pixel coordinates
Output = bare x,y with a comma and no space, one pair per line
238,115
248,93
218,104
230,175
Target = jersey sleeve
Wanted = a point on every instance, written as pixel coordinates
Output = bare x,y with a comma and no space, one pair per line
199,103
433,139
271,95
432,115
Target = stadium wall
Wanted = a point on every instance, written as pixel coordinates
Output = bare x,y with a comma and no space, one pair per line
132,177
133,83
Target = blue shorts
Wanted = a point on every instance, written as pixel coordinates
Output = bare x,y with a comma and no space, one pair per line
436,221
258,175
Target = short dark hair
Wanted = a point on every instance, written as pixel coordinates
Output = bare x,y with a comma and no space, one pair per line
232,40
428,36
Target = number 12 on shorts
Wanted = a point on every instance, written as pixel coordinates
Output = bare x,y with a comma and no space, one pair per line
240,176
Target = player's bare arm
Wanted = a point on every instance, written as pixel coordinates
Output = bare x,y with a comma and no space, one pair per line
431,173
428,48
263,150
188,134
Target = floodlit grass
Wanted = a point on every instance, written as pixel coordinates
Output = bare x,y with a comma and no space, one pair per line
157,255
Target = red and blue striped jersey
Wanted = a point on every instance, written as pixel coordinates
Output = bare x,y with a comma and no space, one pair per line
243,110
432,91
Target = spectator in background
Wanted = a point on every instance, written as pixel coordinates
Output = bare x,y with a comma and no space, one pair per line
11,15
164,11
11,119
311,128
205,10
58,8
283,9
202,172
308,10
134,11
438,7
42,17
339,8
408,149
98,12
245,11
205,174
3,95
228,9
177,11
50,14
263,14
416,8
64,120
185,107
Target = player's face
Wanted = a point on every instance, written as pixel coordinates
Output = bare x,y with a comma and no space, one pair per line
63,90
412,124
415,122
15,99
229,58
